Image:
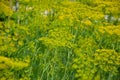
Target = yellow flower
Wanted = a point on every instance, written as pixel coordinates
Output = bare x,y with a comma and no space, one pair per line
7,30
15,38
27,0
101,30
20,43
3,48
1,41
61,17
5,9
74,66
117,32
87,22
110,32
12,44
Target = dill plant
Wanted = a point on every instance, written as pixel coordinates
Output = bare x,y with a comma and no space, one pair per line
59,40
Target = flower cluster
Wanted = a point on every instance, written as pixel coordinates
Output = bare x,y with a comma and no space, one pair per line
111,30
58,37
91,66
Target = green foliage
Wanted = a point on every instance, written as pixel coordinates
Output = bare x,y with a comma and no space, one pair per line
102,62
7,66
60,40
5,10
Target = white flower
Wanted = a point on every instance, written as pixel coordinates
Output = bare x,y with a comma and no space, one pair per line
29,8
118,19
106,17
46,12
113,19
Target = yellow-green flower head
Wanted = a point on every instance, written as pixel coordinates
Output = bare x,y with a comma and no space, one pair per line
87,22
